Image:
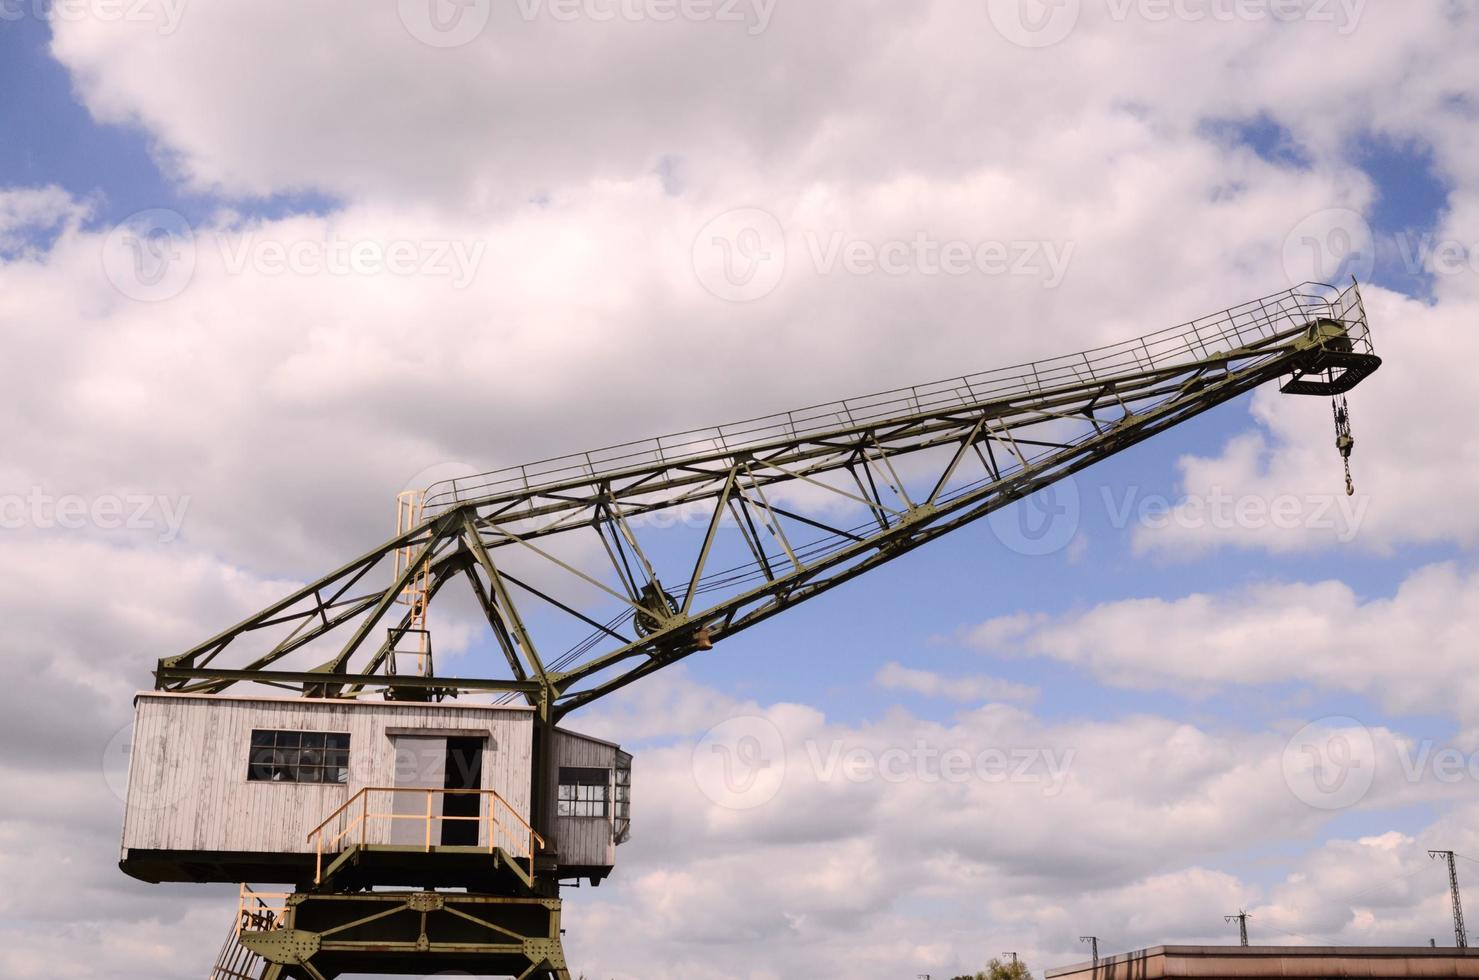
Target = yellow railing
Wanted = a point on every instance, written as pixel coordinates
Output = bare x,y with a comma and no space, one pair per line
260,911
350,824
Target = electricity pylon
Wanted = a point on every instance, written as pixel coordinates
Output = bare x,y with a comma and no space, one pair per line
1460,936
1241,918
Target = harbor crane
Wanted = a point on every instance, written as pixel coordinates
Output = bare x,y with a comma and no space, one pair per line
594,571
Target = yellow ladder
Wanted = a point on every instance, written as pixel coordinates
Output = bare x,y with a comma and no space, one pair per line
416,594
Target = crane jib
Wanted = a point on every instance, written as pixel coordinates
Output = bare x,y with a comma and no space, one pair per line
596,569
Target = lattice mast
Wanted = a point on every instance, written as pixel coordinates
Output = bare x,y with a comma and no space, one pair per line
1460,934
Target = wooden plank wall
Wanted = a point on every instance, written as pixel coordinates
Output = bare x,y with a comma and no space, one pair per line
188,787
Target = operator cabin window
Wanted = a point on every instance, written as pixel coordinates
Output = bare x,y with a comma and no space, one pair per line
584,792
299,757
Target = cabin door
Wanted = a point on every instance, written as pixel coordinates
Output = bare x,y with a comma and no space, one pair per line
464,772
435,762
420,763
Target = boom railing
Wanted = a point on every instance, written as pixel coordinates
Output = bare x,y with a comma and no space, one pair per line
1237,328
351,824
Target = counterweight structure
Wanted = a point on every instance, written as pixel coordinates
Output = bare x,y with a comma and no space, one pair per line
598,569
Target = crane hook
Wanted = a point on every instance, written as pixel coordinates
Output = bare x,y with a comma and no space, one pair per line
1344,441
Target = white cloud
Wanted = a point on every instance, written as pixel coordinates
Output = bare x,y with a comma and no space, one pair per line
897,677
1409,652
844,873
820,89
26,211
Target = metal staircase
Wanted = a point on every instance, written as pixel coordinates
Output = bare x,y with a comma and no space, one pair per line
235,961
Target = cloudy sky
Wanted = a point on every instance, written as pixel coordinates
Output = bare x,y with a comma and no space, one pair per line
263,265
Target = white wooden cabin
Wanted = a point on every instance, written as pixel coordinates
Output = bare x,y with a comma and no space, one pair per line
233,788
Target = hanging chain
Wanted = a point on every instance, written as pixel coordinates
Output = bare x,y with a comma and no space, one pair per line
1344,441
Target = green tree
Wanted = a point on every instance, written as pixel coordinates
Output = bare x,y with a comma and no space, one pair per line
1000,970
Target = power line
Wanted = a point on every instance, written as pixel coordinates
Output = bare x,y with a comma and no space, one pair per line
1322,940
